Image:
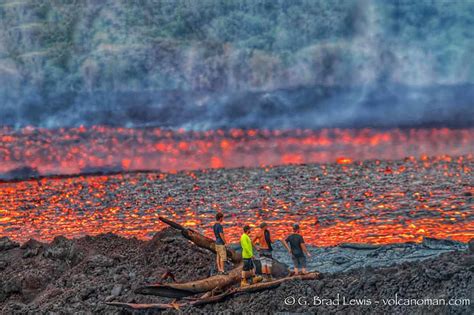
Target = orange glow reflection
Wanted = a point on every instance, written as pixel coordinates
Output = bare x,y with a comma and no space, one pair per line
334,203
79,150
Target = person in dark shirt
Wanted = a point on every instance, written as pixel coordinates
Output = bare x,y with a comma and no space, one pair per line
297,249
221,250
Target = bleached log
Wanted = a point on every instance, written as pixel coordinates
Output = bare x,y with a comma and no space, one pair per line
180,290
220,297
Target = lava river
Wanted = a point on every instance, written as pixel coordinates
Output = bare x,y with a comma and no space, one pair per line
347,199
31,152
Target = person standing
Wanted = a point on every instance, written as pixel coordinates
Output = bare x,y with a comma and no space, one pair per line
264,243
248,269
297,249
221,251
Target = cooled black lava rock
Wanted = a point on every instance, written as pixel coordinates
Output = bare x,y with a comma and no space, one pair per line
22,173
6,243
113,267
471,245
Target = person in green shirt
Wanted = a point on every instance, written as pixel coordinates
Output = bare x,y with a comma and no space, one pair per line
248,269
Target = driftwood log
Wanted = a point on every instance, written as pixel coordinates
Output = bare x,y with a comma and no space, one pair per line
217,298
180,290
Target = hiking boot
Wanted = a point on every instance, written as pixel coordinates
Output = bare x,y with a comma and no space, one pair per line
257,279
244,283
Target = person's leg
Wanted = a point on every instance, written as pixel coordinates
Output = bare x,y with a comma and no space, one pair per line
221,257
268,273
303,265
218,263
222,265
261,259
298,266
255,278
269,268
295,265
245,273
265,267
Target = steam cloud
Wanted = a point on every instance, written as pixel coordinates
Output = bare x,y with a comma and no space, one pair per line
221,64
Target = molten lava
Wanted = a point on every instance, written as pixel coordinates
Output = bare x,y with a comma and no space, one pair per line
29,151
368,201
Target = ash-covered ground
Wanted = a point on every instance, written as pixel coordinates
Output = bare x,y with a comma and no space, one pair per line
79,276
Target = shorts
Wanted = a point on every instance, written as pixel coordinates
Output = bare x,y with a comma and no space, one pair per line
299,261
248,264
266,262
266,258
221,252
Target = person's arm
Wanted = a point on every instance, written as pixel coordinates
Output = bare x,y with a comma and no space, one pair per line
256,241
304,248
267,237
221,234
223,237
286,246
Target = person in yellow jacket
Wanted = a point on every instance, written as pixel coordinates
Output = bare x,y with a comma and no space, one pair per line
248,270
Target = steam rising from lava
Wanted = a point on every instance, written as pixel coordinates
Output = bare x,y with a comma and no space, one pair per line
240,64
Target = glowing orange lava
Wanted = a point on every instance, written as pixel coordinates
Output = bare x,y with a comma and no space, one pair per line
369,201
343,160
80,150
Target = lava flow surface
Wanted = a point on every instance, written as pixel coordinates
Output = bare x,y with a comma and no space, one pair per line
369,201
32,152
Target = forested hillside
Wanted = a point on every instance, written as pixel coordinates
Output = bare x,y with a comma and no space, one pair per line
214,63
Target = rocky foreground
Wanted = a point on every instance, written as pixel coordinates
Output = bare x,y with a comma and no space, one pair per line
80,275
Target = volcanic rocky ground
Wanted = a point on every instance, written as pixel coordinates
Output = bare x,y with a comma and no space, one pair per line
80,275
387,204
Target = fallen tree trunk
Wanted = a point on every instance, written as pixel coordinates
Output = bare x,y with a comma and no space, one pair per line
201,240
220,297
278,269
261,286
275,283
180,290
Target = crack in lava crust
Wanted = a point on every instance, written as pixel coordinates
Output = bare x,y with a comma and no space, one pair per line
370,201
